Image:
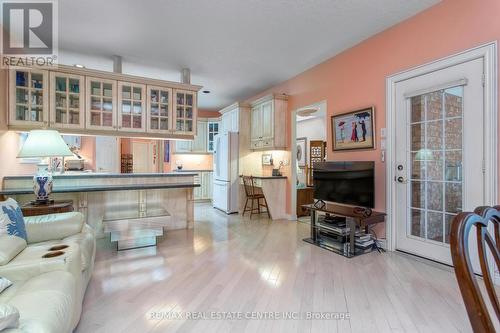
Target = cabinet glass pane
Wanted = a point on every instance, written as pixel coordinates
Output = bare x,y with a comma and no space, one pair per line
74,101
95,88
164,110
154,96
61,84
74,117
36,114
21,96
108,89
137,107
95,103
137,93
126,121
126,92
107,119
164,97
180,98
189,113
189,99
188,125
137,121
22,112
37,98
74,86
21,79
154,123
179,125
60,100
154,109
107,104
95,118
126,107
180,112
163,124
36,80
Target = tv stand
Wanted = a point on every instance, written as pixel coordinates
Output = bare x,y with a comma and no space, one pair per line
354,218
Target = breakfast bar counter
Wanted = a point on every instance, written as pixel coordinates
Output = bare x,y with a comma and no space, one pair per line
111,201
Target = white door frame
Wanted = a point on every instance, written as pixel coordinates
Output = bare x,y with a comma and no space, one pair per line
489,53
293,160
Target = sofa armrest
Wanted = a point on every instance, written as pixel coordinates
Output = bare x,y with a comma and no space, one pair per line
53,226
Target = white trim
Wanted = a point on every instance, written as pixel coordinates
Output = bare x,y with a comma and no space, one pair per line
489,53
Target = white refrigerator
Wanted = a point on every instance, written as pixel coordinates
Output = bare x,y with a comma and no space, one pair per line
226,178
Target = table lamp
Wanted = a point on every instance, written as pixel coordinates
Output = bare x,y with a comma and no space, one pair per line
43,144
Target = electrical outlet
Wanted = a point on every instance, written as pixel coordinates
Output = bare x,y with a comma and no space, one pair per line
383,132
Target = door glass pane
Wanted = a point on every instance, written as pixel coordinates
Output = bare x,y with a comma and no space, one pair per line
435,144
74,86
61,84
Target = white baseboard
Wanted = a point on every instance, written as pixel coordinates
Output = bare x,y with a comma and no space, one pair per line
382,243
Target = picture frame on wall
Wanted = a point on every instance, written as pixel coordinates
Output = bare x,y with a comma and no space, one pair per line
354,130
267,159
301,152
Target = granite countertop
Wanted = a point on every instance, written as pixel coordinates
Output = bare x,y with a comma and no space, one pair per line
109,175
268,177
103,188
192,170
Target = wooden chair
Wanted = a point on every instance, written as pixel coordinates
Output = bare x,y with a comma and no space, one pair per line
462,225
254,195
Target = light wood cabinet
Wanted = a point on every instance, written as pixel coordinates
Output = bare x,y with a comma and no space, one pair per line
101,104
184,116
131,107
159,109
268,123
204,192
67,101
29,98
75,100
200,139
203,141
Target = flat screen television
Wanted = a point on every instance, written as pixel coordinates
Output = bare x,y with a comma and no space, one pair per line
350,183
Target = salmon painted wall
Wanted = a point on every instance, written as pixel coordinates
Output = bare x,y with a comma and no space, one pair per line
356,77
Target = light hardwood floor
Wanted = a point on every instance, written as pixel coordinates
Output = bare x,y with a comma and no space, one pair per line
242,265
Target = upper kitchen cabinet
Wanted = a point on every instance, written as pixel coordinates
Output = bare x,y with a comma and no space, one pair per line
212,130
131,107
268,123
159,109
29,98
184,119
200,139
101,104
67,103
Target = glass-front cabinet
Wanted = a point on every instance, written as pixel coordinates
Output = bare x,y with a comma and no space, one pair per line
213,130
184,119
67,100
101,104
131,107
29,98
159,109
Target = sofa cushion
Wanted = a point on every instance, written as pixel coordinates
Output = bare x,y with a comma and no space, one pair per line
11,219
10,246
53,226
9,316
46,303
4,284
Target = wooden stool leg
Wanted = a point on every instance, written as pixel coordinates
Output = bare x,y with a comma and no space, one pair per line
267,208
251,211
245,209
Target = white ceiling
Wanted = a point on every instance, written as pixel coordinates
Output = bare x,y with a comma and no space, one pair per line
235,48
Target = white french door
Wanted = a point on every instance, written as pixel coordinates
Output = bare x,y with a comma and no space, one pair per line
439,155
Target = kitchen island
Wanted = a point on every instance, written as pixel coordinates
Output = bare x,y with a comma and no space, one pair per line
128,206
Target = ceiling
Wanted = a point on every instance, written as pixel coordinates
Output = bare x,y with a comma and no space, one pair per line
234,48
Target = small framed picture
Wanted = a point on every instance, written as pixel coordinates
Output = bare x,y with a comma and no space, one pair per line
302,152
267,159
354,130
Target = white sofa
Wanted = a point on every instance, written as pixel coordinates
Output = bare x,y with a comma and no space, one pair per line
48,292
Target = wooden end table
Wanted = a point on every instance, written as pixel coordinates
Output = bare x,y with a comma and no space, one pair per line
52,207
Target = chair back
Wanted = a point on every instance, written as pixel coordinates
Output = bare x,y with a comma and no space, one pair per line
249,186
462,225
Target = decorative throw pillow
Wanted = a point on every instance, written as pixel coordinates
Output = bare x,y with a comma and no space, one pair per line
4,284
11,219
9,316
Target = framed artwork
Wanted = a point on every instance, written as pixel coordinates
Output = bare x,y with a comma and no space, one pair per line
354,130
301,152
267,159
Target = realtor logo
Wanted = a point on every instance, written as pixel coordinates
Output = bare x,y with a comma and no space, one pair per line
29,32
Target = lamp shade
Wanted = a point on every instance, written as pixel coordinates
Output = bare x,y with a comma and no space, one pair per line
44,143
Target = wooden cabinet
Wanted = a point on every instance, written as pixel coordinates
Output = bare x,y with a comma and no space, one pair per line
184,117
101,104
131,107
204,192
200,139
75,100
268,123
159,109
203,141
305,196
67,101
29,98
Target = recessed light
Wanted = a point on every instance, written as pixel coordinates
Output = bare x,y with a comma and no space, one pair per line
206,91
79,66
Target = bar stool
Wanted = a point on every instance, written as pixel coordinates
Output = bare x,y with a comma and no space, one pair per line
254,195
